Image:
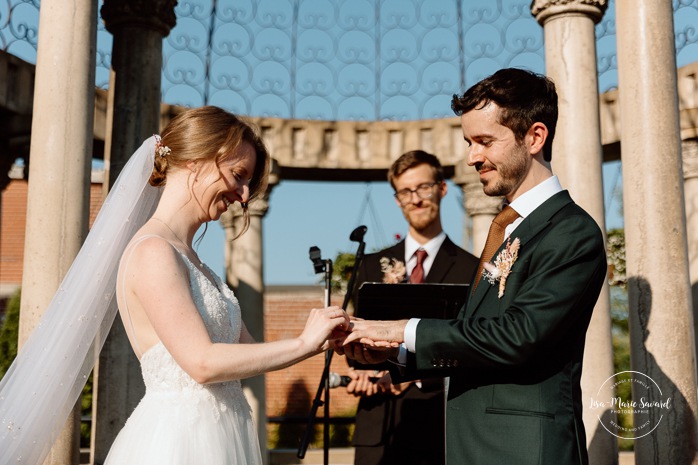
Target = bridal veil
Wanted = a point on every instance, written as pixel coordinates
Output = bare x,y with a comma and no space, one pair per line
46,379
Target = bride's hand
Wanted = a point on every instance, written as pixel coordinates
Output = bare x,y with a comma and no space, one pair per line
324,325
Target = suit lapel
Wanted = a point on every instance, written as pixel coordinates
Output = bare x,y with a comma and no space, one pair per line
443,262
529,228
397,251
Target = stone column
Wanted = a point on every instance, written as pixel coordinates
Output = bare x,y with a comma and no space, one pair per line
244,260
138,27
570,57
689,154
481,208
58,199
659,291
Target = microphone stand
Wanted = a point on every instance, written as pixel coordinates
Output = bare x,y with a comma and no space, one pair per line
326,266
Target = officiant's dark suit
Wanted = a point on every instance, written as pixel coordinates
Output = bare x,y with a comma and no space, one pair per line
405,424
402,429
514,354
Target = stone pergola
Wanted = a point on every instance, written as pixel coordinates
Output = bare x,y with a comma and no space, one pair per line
657,105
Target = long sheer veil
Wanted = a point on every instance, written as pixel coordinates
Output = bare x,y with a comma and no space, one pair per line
45,380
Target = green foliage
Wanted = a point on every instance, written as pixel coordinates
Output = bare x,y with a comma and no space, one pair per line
86,406
289,435
619,310
342,267
9,333
615,248
341,434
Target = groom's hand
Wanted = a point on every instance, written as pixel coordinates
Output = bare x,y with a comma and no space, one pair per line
376,334
370,342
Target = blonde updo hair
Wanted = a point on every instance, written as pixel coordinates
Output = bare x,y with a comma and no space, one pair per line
210,133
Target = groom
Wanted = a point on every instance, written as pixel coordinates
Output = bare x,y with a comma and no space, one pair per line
514,354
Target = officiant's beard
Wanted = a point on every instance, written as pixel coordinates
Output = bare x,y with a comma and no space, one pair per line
510,173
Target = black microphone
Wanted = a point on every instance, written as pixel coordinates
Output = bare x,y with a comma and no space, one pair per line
314,253
336,380
357,235
318,263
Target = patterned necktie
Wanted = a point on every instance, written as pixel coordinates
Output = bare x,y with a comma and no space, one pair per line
495,238
417,276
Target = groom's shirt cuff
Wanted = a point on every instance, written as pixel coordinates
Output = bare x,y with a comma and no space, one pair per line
410,335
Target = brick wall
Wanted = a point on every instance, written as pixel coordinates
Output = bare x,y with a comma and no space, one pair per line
291,391
13,215
13,212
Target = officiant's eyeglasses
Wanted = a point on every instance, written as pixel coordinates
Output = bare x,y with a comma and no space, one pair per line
423,191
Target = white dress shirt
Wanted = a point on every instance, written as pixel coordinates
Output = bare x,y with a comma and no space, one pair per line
432,247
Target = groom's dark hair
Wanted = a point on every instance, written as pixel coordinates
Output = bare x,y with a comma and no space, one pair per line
523,98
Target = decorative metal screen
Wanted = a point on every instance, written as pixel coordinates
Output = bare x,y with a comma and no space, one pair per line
343,60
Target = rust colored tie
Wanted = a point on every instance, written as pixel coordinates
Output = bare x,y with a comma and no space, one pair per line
417,275
495,237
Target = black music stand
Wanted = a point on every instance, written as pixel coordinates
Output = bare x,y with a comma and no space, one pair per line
380,301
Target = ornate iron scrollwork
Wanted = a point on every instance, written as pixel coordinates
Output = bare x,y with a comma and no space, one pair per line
338,60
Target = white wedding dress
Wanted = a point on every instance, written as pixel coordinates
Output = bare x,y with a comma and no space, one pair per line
182,422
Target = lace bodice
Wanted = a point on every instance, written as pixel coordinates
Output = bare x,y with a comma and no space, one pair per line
220,311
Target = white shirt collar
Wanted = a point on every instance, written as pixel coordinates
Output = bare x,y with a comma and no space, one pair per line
432,247
534,198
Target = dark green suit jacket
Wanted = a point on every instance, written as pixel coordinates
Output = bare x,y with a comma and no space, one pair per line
515,362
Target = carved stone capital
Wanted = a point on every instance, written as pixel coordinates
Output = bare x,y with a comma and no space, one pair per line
543,10
689,155
158,15
257,207
476,201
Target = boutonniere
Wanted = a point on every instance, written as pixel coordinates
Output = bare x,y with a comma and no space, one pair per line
500,269
393,270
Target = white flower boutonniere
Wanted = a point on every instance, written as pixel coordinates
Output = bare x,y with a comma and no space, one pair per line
393,270
499,271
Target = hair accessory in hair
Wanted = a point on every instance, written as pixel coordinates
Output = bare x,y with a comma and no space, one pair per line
160,149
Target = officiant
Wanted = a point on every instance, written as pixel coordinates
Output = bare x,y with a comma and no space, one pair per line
403,423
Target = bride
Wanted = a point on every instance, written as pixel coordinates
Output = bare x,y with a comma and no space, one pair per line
183,322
